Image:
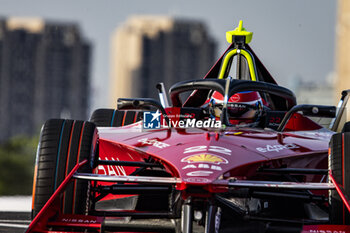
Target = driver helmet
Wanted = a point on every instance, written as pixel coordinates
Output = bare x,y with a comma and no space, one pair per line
241,107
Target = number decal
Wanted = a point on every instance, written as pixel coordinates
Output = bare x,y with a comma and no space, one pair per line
217,149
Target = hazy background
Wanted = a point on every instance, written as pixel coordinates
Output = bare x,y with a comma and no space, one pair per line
292,38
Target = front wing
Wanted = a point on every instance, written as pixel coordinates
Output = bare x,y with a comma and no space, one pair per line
49,219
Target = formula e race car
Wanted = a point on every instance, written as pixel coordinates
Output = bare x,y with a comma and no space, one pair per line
229,154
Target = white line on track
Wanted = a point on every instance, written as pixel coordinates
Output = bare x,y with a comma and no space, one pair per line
14,221
13,225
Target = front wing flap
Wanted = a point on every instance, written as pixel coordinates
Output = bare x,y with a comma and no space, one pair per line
45,220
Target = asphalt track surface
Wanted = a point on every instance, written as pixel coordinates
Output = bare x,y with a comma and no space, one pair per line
14,222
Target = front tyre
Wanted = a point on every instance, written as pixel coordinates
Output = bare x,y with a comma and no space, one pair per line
62,145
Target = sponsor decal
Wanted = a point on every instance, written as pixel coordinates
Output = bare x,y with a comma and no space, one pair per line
277,148
202,165
235,98
153,142
189,166
151,120
199,173
326,228
196,180
79,220
110,169
217,149
205,158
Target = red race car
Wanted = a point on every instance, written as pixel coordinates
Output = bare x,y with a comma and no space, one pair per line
230,154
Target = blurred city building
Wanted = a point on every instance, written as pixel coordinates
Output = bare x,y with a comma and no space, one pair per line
44,73
342,50
313,92
147,50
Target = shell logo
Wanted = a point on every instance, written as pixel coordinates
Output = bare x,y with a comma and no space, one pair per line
205,158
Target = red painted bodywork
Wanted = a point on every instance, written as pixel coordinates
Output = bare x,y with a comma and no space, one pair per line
246,149
241,150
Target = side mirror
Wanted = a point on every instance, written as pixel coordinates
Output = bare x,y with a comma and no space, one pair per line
309,110
141,104
319,111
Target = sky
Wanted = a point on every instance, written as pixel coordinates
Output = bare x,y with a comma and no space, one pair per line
292,38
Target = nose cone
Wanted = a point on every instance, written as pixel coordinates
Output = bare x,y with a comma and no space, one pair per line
206,163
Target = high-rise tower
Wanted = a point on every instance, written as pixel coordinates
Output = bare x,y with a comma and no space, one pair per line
44,73
342,50
151,49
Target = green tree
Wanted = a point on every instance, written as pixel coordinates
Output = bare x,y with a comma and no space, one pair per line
17,158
